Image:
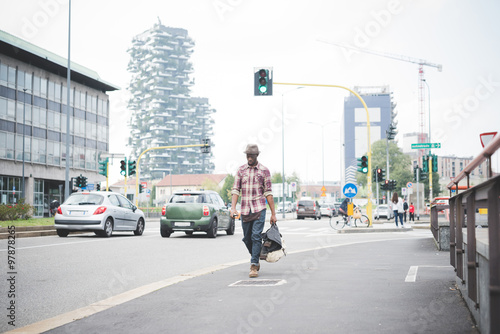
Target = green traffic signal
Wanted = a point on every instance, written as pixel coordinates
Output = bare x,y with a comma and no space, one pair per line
131,167
363,164
434,163
263,82
103,167
123,167
425,164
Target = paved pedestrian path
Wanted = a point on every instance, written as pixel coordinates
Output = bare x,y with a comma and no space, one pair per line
380,286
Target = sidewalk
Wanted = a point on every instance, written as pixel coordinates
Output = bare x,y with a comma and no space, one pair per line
383,286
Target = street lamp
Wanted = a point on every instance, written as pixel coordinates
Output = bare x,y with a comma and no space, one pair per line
24,131
283,144
323,144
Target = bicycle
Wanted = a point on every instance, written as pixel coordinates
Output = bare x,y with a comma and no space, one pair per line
358,219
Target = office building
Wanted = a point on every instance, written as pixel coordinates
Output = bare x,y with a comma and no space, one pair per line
381,110
33,110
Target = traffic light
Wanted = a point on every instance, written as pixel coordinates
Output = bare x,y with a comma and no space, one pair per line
131,167
263,81
385,185
205,149
434,163
423,176
103,167
425,164
141,188
416,173
391,132
380,174
84,181
394,183
98,187
123,167
363,164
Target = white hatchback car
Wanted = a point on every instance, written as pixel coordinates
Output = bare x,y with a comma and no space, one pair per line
99,211
383,211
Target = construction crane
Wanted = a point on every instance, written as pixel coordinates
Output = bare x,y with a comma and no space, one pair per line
421,63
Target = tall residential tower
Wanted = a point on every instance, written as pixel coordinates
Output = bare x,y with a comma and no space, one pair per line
164,113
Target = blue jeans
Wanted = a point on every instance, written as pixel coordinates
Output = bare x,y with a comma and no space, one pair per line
252,236
396,215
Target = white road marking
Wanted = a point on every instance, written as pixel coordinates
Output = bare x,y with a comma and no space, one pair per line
412,274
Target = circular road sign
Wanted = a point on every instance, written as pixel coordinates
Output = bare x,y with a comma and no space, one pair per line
350,190
409,184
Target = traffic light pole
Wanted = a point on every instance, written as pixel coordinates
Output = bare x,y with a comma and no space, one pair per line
155,148
430,177
376,184
369,175
418,194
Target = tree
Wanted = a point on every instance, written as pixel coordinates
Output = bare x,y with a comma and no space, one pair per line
400,168
225,192
276,178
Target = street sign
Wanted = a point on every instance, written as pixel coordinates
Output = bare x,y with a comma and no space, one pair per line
90,186
409,184
293,186
404,191
350,190
425,145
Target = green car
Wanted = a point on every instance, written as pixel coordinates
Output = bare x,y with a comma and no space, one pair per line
196,211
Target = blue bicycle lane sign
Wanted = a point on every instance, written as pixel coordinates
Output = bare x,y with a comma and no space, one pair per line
350,190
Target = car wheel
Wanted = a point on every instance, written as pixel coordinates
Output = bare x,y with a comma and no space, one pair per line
230,230
62,233
212,231
165,232
140,227
108,229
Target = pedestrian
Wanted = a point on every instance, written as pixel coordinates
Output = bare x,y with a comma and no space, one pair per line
405,208
397,207
253,183
412,212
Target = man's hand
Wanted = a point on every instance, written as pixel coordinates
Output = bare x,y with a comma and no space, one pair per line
234,213
273,219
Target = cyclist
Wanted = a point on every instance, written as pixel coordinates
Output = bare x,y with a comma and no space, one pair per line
343,209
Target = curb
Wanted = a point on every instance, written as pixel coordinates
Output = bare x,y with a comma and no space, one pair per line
28,231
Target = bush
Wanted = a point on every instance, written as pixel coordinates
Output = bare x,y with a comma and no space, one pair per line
16,211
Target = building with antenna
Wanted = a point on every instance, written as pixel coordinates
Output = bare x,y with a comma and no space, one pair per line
163,112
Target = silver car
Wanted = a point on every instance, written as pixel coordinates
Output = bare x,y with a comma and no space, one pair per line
99,211
383,211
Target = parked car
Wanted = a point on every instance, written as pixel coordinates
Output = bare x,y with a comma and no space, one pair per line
196,211
308,208
327,209
383,211
288,207
99,211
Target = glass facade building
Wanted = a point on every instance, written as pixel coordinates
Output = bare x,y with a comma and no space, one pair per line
33,111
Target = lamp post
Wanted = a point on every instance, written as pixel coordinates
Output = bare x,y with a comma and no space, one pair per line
24,132
430,156
283,144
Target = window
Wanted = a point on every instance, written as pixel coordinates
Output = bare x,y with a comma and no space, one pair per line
114,200
3,107
23,109
53,153
7,149
39,150
43,87
11,80
19,148
3,73
36,85
20,79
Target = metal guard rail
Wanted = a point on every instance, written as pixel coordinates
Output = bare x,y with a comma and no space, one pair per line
486,196
487,152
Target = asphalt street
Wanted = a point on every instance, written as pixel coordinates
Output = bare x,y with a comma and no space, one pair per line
376,286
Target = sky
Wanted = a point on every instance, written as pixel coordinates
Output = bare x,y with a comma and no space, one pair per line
234,36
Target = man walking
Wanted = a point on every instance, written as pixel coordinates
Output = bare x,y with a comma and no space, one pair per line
253,183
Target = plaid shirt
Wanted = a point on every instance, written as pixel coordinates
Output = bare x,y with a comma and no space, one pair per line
253,184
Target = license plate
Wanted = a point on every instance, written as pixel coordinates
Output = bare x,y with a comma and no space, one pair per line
77,213
300,210
182,224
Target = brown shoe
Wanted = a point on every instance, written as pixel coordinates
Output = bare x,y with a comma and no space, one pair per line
253,271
